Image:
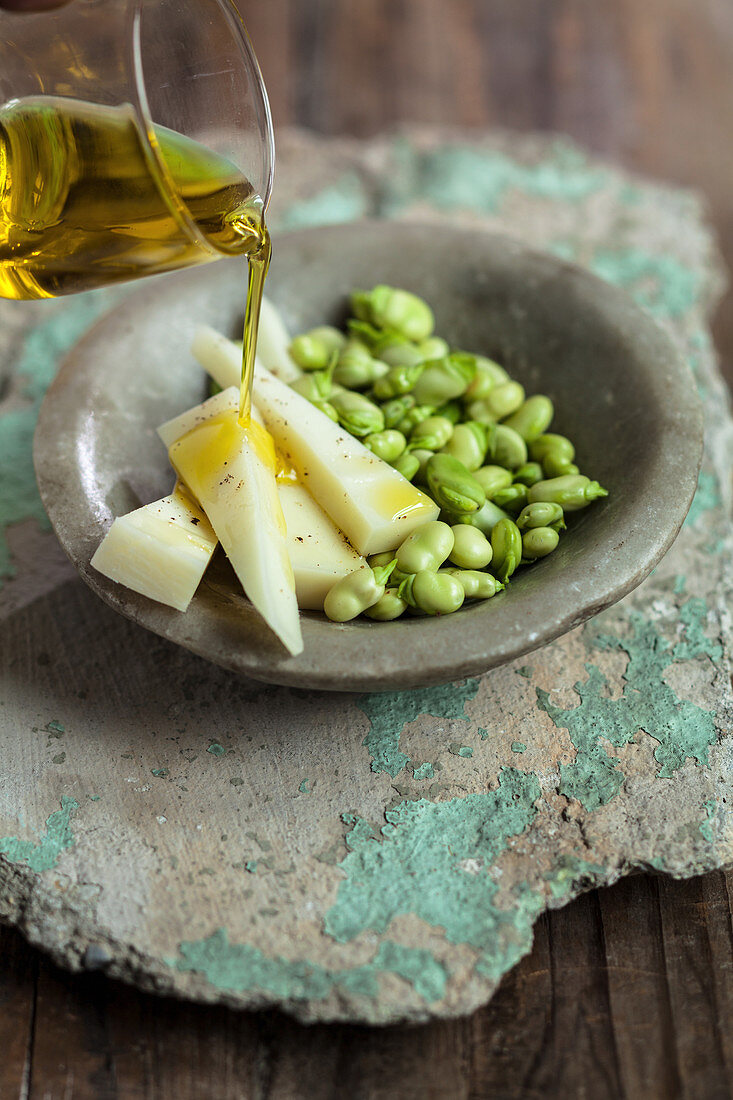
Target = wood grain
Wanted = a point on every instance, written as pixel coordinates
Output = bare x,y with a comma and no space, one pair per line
629,991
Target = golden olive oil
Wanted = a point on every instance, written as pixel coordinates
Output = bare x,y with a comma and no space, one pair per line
84,202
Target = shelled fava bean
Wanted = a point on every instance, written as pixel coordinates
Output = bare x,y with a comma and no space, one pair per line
462,429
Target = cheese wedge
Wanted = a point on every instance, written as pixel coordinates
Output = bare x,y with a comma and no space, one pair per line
319,553
160,550
273,341
368,500
231,472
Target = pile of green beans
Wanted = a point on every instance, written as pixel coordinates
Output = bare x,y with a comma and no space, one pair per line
458,426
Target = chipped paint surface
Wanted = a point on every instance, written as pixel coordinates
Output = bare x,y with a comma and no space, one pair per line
389,713
378,857
648,703
243,968
414,864
44,854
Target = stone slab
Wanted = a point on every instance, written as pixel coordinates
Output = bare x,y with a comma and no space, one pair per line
379,857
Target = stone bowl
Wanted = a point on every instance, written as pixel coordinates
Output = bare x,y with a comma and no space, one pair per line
620,388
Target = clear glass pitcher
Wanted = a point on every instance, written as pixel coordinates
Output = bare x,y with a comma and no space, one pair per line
135,138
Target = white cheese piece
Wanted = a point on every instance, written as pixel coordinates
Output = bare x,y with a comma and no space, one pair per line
374,506
231,472
160,550
319,553
273,341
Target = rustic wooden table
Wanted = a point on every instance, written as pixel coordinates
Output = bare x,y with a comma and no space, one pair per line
628,991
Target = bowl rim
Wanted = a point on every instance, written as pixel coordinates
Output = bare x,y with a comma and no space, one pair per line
234,638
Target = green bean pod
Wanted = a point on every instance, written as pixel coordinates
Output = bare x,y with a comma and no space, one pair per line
433,593
392,308
471,548
502,400
396,409
512,499
396,381
388,607
357,414
488,374
485,519
426,548
407,464
375,339
309,352
553,465
492,479
356,369
532,418
541,514
507,448
452,410
445,378
423,456
549,442
452,487
413,417
468,444
387,445
571,492
476,584
538,542
529,474
506,542
316,386
433,347
330,336
431,434
405,354
327,408
355,592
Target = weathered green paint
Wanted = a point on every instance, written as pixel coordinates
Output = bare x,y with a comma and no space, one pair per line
425,771
519,746
389,712
243,967
39,358
216,749
55,727
457,749
417,866
706,826
659,283
693,615
160,773
463,177
647,703
706,498
303,788
345,201
45,854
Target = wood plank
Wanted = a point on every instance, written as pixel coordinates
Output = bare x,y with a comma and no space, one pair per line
699,1012
17,999
641,1014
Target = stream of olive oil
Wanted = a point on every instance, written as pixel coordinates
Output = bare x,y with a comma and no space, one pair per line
84,202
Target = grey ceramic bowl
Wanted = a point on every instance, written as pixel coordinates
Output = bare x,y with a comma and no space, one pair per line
620,389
